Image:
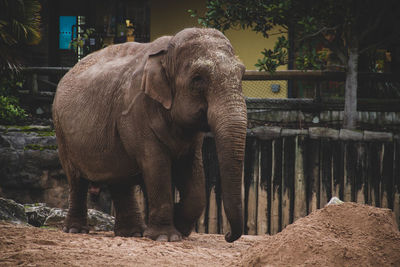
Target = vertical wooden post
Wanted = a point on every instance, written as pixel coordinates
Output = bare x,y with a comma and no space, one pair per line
375,175
300,199
253,175
276,187
387,176
361,181
225,227
349,170
289,150
337,169
201,225
264,188
213,213
396,181
317,91
140,200
35,87
313,170
262,208
326,172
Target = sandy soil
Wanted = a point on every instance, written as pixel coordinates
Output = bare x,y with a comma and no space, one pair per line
343,235
21,245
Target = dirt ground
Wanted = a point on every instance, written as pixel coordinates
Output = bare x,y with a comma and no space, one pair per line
338,235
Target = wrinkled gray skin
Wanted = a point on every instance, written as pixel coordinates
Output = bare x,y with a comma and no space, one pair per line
133,113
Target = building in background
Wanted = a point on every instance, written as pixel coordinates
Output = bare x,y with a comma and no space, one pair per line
74,28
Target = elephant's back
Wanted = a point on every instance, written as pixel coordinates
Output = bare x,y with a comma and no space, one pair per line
100,69
94,86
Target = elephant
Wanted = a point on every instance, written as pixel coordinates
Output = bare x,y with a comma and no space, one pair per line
136,113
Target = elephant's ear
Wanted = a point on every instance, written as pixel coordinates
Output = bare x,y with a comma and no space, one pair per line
154,81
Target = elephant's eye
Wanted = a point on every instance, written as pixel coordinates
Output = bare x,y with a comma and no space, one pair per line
197,83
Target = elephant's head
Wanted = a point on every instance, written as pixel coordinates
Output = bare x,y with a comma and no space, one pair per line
197,78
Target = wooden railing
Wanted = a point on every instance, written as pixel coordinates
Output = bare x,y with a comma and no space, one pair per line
32,74
316,76
250,75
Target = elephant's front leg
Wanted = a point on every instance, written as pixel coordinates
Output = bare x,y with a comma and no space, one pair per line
157,179
190,181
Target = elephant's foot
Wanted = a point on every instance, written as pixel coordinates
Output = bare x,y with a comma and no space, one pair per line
183,226
75,226
163,233
129,231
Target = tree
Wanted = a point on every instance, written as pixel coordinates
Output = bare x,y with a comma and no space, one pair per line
347,27
19,26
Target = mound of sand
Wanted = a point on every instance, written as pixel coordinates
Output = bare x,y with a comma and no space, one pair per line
349,234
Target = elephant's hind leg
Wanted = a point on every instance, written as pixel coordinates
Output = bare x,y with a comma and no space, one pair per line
128,221
76,220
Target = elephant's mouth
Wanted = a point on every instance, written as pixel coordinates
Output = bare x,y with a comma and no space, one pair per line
205,128
203,121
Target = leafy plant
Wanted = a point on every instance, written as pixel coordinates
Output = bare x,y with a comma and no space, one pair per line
81,40
19,26
10,111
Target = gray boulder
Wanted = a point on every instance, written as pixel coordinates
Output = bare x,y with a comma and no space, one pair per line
55,218
97,220
37,213
11,211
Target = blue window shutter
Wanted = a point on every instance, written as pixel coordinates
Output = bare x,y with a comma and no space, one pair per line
65,34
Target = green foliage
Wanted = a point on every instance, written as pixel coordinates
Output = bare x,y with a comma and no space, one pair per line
19,26
10,111
81,40
274,58
335,24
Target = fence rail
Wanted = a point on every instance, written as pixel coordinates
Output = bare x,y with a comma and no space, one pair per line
250,75
253,75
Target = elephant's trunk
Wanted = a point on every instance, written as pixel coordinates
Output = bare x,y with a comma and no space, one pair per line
228,121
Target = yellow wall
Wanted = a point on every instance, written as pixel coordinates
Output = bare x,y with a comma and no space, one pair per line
169,17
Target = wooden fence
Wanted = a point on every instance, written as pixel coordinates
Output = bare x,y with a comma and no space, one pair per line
289,173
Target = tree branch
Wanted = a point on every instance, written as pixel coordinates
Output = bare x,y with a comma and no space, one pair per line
323,29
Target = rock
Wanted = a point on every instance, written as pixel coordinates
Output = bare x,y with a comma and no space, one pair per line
97,220
334,201
56,218
100,221
12,211
37,213
30,170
